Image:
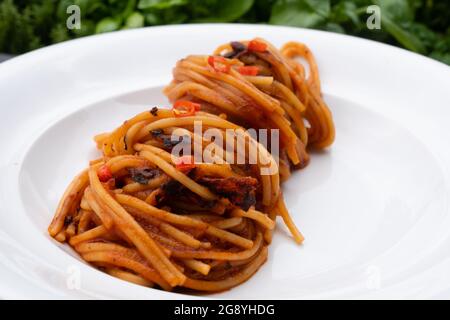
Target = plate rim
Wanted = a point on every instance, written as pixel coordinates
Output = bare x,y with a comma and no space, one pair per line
15,62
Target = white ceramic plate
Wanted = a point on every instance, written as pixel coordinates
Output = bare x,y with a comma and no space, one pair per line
374,208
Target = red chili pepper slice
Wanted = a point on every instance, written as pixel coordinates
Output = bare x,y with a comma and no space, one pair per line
185,108
248,70
257,46
219,64
185,163
104,173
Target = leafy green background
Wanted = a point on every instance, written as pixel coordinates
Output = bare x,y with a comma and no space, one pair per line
418,25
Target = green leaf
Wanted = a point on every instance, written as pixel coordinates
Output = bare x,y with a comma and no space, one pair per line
153,19
396,15
423,33
174,16
168,16
87,28
107,25
435,14
228,11
17,29
129,9
406,39
396,10
300,13
418,25
334,27
59,33
262,10
345,11
135,20
441,56
160,4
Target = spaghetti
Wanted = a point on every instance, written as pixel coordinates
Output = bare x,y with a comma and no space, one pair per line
258,86
149,213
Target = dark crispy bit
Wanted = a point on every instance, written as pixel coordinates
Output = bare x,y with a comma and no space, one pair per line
230,55
240,191
172,188
143,175
159,197
68,220
157,132
154,111
166,139
237,47
169,141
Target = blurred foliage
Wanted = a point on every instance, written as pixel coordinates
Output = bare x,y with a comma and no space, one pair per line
418,25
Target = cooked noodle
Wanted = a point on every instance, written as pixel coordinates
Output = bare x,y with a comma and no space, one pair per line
144,214
279,96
